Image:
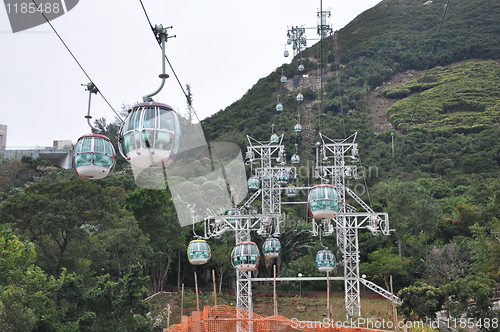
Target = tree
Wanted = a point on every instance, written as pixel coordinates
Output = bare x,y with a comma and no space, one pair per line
384,263
156,215
24,288
471,296
446,263
55,215
420,301
109,305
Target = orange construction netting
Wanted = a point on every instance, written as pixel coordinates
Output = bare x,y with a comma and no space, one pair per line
223,318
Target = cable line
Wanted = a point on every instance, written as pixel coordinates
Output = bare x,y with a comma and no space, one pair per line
76,60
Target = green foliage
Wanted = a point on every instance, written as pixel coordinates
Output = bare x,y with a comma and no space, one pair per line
461,98
420,301
24,288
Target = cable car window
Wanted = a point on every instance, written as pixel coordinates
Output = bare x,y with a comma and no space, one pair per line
149,117
166,120
132,122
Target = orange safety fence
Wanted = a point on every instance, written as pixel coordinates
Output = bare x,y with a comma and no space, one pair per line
223,318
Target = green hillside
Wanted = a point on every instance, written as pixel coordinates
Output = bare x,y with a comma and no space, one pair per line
417,80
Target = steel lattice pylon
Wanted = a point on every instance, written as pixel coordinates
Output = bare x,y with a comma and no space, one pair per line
331,166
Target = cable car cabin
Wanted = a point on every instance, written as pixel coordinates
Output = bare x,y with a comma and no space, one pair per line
325,261
198,252
301,67
300,97
233,212
323,202
291,191
275,138
298,128
282,177
279,107
150,135
245,256
253,183
286,54
283,79
94,156
272,248
295,159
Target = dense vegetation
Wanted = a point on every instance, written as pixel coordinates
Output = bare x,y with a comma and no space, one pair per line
79,255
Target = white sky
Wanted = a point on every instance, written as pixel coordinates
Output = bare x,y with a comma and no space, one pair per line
222,48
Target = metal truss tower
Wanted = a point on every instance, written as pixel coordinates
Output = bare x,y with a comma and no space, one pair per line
335,161
272,159
324,28
296,36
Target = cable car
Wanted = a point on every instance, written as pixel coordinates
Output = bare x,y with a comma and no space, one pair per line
253,183
198,252
272,248
286,53
283,79
298,128
94,156
233,212
301,67
282,177
150,135
279,107
323,202
245,256
275,138
325,261
300,97
295,159
291,191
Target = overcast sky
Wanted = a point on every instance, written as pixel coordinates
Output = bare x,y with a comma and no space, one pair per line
222,48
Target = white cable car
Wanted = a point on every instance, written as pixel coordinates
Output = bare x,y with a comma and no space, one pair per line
323,202
253,183
272,248
94,156
295,158
245,256
275,138
286,53
301,67
150,135
325,261
282,177
233,212
283,79
198,252
298,128
300,97
279,107
291,191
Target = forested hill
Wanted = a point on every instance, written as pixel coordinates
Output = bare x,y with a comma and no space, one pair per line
419,81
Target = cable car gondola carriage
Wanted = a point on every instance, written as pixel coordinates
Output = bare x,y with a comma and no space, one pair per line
298,128
323,202
300,97
245,256
150,135
291,191
283,177
272,248
295,159
94,156
279,107
275,138
283,79
198,252
325,261
233,212
253,183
